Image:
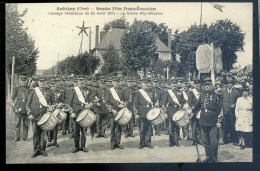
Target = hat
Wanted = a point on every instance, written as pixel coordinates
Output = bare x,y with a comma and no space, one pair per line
229,80
23,78
218,83
207,81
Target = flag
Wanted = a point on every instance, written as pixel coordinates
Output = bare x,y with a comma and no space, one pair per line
218,7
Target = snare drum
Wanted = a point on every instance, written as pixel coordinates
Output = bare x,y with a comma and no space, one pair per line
47,122
181,118
60,115
86,118
156,116
124,116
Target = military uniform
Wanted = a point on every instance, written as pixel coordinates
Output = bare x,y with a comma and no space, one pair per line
20,98
171,108
53,134
38,110
64,99
143,106
101,111
193,101
129,93
209,104
157,93
80,133
116,128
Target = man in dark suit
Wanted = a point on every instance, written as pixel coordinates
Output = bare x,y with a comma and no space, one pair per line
142,105
209,104
19,98
78,105
37,107
229,98
114,101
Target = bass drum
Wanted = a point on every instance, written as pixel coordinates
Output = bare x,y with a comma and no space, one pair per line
156,116
181,118
124,116
86,118
47,122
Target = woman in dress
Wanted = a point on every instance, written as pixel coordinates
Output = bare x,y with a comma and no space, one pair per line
244,115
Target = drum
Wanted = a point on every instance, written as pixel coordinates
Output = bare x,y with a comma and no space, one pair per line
156,116
86,118
60,115
47,122
124,116
181,118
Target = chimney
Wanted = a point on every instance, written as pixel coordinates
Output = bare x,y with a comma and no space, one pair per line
102,35
169,38
97,36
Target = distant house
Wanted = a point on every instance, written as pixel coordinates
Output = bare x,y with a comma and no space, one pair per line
114,35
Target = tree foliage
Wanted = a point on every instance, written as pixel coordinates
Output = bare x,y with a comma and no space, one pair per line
119,23
224,34
84,64
138,46
113,62
19,44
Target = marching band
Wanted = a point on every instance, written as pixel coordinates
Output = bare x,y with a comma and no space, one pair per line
185,110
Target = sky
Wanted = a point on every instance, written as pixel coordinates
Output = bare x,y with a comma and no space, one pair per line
56,36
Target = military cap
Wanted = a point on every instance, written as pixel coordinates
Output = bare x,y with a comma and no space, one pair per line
218,82
23,78
207,81
229,80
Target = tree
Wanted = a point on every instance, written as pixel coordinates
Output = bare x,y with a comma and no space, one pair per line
119,23
84,64
19,44
230,38
113,62
224,34
138,46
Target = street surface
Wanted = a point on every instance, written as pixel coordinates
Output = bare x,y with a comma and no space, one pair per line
21,151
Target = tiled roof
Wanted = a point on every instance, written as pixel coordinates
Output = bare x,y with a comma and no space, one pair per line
114,36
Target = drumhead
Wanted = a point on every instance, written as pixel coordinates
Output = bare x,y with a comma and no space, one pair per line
56,112
178,115
153,113
44,118
120,113
82,115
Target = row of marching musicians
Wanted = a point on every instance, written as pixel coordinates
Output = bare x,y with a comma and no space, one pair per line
150,107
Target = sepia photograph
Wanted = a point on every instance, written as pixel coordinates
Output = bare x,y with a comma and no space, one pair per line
139,82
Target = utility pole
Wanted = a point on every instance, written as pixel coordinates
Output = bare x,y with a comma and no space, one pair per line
201,13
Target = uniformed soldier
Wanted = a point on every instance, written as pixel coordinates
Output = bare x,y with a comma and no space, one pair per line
64,99
209,104
38,103
19,103
53,134
193,101
157,92
173,102
78,103
100,109
129,93
164,87
114,101
143,102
